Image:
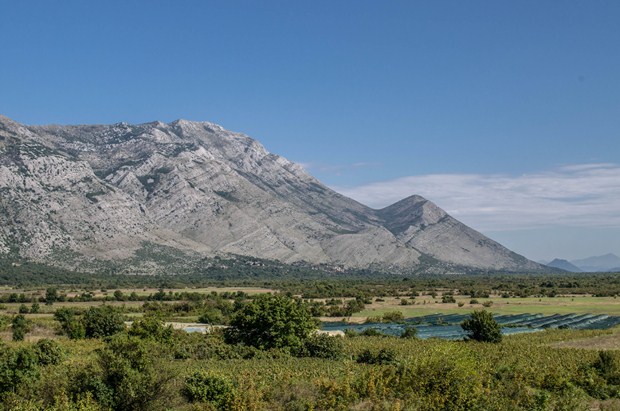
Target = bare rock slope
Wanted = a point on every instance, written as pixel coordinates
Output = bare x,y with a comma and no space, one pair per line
103,192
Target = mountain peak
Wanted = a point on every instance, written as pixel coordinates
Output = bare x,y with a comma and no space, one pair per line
189,123
118,192
412,212
563,265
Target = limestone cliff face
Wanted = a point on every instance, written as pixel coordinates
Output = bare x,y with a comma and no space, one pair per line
104,191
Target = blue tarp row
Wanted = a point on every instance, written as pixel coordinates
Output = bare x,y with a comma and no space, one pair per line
427,327
603,324
585,324
535,322
551,321
519,319
569,323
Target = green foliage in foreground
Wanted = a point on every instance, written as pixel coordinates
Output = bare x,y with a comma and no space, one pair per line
203,386
153,369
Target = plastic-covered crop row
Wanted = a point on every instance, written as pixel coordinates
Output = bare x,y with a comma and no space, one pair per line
448,326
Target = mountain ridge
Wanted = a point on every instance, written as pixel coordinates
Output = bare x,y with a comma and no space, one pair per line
203,190
564,265
601,263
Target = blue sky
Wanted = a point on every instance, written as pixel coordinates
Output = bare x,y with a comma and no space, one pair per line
517,103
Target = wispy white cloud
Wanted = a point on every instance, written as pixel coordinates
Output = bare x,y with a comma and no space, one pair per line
585,195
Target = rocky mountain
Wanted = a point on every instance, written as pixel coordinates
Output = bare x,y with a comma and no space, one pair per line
78,195
564,265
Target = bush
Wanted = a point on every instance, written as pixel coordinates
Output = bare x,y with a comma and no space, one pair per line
410,332
49,352
70,324
35,307
17,366
606,365
448,299
203,386
271,322
448,377
20,326
382,357
212,316
151,327
372,332
131,378
322,346
4,322
393,316
51,296
102,322
481,326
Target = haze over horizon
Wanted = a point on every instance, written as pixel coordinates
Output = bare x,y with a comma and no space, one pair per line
507,115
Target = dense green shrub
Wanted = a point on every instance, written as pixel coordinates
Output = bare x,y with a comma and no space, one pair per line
51,296
448,299
211,316
131,375
203,386
102,321
70,323
322,346
16,367
271,322
20,326
49,352
448,377
372,332
34,308
151,327
4,322
393,316
383,356
608,367
481,326
410,332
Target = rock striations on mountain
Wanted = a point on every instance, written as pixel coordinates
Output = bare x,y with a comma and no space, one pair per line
105,192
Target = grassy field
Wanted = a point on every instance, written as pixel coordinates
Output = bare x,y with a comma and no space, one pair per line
598,342
546,305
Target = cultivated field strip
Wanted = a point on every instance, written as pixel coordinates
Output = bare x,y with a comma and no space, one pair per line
447,326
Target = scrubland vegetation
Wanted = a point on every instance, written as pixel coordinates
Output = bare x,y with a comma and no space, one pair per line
81,348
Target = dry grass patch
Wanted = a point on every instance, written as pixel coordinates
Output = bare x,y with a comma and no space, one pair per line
599,342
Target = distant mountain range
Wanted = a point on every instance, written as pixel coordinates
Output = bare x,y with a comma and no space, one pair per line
603,263
148,196
564,265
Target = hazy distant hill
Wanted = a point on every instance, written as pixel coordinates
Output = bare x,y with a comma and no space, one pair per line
602,263
82,194
564,265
